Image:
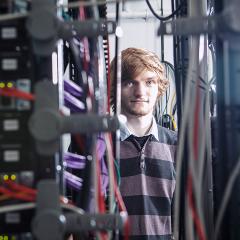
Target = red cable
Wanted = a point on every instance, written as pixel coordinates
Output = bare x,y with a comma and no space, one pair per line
80,143
196,219
101,202
13,92
116,189
30,192
18,195
189,181
22,188
121,204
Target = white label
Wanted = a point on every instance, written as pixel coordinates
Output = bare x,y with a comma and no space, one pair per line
25,86
9,33
10,125
12,218
9,64
168,27
11,156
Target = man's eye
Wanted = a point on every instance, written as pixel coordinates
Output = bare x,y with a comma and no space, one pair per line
129,84
149,83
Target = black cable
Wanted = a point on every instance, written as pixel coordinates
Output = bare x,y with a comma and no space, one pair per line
163,18
168,66
75,54
162,36
116,65
157,112
167,100
174,109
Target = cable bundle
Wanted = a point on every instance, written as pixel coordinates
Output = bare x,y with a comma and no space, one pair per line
74,161
13,190
90,163
195,132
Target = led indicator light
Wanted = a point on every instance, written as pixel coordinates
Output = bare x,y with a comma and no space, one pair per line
5,178
9,85
13,177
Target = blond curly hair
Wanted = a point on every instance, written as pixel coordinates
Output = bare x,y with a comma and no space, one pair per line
134,61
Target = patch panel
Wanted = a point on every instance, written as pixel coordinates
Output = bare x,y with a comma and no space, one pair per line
19,161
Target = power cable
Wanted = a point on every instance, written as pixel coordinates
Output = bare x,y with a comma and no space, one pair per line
167,17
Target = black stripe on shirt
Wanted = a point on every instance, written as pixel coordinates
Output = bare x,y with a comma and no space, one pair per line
154,168
151,237
147,205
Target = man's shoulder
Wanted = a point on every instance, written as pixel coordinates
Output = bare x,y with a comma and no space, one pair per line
167,136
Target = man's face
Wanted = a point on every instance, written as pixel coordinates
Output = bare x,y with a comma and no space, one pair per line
139,95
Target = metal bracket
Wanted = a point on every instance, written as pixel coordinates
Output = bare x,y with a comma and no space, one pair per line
47,124
50,223
88,28
45,28
225,24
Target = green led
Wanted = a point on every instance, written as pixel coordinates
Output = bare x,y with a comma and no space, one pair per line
5,238
2,85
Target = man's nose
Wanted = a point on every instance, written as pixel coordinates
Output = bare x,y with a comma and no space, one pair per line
140,89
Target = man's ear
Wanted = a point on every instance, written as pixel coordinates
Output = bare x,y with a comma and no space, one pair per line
159,95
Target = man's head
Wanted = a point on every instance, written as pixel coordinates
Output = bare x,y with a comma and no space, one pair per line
143,81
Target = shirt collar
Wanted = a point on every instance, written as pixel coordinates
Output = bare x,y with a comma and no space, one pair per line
125,132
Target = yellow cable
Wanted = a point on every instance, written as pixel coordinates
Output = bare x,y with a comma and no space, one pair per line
171,106
173,122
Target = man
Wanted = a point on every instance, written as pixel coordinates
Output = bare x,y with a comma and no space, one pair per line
147,150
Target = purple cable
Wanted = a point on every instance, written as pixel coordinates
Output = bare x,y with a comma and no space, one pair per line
73,180
101,148
74,161
73,103
78,162
73,88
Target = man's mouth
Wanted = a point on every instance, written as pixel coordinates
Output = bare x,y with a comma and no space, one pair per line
140,101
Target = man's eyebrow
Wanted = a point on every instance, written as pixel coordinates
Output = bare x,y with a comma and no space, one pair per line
151,78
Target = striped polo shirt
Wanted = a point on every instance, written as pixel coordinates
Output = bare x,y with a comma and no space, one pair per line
148,181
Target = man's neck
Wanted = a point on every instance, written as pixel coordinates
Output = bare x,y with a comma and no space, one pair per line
141,125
